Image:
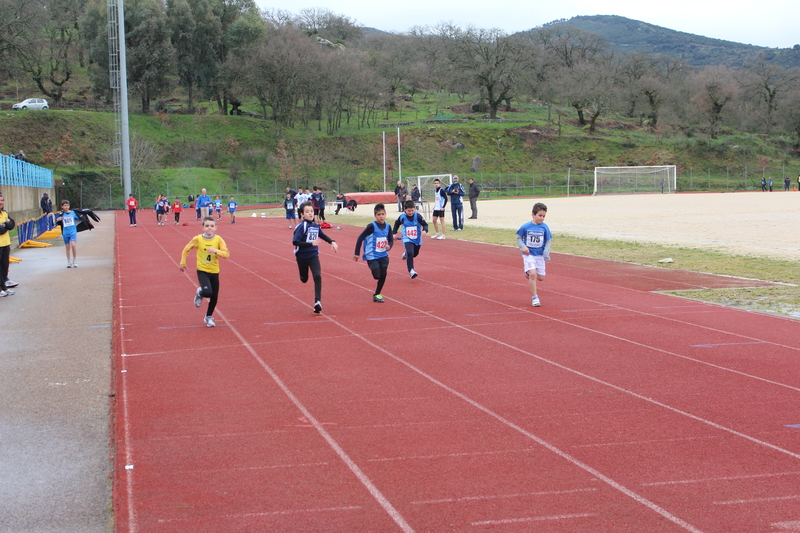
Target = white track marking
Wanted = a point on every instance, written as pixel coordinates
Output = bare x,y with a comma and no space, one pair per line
532,519
712,479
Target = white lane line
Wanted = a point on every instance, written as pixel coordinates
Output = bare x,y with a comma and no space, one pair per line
503,496
713,479
759,500
532,519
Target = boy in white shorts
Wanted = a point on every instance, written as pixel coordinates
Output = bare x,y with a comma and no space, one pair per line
533,239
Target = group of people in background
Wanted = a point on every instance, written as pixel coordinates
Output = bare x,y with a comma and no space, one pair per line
766,184
163,207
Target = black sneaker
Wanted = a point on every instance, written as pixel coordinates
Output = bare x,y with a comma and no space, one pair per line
318,307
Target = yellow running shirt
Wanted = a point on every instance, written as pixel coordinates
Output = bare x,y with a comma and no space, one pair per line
206,261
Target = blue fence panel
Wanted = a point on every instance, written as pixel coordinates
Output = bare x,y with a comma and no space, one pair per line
33,228
19,173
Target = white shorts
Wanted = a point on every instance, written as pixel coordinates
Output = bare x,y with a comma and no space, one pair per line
533,262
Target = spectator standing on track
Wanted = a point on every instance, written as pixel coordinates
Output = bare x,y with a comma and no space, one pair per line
763,184
6,224
232,205
416,195
69,232
533,239
318,202
177,207
203,203
210,247
378,240
456,192
401,191
46,204
414,227
288,205
306,251
131,203
439,201
161,209
787,183
474,192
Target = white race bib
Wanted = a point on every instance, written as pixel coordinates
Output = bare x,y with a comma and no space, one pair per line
534,239
68,220
312,235
380,244
411,232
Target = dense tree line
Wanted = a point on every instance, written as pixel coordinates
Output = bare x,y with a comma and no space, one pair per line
320,69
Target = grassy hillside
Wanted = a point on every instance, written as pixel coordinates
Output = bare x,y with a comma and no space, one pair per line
627,35
175,154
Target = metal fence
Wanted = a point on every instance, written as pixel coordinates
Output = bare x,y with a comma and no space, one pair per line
23,174
271,190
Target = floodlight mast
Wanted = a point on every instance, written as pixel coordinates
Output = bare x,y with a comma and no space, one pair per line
118,76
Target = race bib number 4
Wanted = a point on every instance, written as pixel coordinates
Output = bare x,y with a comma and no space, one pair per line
535,239
411,232
380,244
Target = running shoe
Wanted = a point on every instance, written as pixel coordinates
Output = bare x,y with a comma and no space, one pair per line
535,302
3,294
378,298
436,236
10,283
318,307
412,273
405,254
198,300
74,264
69,264
210,321
9,292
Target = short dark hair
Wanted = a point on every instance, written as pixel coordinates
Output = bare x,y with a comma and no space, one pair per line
64,201
409,204
379,208
539,206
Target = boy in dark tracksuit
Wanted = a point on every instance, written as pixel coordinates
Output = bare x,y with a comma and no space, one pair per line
378,240
306,252
414,227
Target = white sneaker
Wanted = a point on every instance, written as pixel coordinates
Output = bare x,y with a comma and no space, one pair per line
198,300
535,301
10,283
210,321
9,292
412,273
441,237
3,294
74,264
69,264
405,254
436,236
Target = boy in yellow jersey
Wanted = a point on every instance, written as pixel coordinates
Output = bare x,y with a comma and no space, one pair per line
210,247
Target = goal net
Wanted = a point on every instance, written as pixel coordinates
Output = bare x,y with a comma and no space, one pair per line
425,184
622,180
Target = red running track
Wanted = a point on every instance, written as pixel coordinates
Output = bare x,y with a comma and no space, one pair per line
454,406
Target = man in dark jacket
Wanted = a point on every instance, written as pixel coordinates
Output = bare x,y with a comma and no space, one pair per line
474,192
46,204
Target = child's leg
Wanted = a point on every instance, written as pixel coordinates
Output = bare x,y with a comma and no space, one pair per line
212,301
74,246
302,265
412,250
379,267
206,289
316,274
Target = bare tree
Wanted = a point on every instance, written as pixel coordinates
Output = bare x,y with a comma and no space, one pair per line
766,83
715,87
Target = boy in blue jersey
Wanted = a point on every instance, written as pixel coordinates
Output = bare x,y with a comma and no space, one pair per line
218,207
232,205
378,240
414,227
69,231
288,205
306,251
533,239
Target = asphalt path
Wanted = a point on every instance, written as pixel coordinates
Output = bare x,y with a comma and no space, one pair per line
55,368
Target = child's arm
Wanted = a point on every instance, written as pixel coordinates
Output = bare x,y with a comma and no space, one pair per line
192,244
422,223
334,246
389,241
222,251
522,246
397,224
367,231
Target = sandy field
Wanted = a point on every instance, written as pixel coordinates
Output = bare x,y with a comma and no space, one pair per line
745,223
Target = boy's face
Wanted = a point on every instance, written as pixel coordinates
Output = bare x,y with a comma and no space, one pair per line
308,213
209,227
538,218
409,212
380,217
288,196
436,183
65,207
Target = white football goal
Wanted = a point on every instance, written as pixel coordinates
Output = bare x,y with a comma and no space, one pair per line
425,184
627,180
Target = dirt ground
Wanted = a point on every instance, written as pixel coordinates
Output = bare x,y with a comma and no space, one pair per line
744,223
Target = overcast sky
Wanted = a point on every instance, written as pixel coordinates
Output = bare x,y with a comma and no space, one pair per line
773,23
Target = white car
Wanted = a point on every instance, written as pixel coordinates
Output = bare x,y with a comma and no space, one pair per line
32,103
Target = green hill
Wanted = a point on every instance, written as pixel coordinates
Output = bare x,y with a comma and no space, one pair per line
627,35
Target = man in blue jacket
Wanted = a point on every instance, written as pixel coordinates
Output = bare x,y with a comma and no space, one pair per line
456,192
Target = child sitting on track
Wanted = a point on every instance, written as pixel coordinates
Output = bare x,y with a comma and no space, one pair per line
533,239
306,250
414,227
210,247
377,239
